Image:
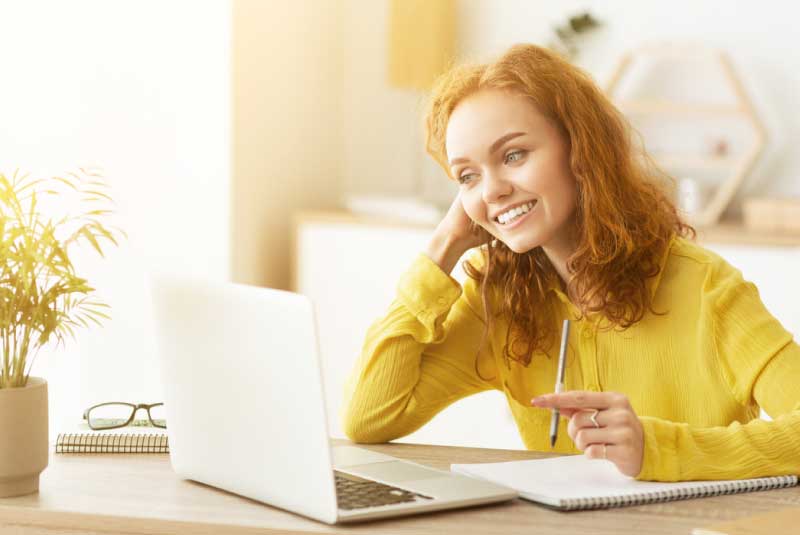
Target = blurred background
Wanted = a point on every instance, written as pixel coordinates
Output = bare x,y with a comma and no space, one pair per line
280,144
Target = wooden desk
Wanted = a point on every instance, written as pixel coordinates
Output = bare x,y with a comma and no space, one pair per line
116,493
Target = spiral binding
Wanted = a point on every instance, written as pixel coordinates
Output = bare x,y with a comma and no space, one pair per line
111,443
718,489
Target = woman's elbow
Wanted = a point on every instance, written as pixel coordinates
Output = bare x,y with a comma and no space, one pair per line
362,429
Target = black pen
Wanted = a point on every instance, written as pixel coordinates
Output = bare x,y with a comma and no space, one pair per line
562,355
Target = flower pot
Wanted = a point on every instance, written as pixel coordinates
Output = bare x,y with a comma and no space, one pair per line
23,437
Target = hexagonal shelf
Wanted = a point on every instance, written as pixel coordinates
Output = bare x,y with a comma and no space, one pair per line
671,111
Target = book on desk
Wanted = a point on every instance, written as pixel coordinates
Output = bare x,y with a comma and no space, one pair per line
575,482
131,439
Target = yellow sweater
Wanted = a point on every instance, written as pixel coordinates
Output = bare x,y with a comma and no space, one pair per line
696,376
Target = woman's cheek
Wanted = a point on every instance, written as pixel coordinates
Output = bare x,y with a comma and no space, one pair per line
473,209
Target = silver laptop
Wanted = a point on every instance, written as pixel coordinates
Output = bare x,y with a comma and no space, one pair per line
245,411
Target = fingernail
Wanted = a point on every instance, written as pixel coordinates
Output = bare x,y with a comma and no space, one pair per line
537,400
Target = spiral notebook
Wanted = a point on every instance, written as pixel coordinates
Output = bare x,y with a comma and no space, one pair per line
122,440
576,482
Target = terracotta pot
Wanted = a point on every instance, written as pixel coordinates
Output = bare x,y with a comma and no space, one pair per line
23,437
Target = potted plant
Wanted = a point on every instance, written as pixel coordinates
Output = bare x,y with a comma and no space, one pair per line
42,300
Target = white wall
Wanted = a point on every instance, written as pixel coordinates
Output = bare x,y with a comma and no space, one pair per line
141,89
286,135
382,132
381,154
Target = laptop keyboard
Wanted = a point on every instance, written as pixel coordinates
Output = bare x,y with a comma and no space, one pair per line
353,492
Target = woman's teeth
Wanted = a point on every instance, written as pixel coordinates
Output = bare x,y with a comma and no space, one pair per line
509,217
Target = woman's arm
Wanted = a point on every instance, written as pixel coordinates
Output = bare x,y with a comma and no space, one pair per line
677,451
421,356
761,364
656,449
417,359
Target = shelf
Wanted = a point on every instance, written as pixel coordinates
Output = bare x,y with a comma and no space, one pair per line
666,107
669,111
735,233
727,232
688,161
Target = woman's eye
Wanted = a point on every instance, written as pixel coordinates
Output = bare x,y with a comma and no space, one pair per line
463,179
514,156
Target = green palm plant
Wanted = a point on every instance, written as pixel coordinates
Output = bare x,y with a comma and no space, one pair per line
41,297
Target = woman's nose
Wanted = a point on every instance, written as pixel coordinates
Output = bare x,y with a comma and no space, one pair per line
495,187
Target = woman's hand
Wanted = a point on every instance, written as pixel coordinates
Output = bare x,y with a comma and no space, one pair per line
454,236
618,435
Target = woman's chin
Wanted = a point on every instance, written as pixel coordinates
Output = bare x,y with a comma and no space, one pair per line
517,243
520,247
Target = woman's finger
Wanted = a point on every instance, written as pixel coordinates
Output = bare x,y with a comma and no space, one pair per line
569,413
621,456
583,418
579,399
586,436
603,451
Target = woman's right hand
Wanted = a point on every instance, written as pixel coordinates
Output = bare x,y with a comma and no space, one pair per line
454,235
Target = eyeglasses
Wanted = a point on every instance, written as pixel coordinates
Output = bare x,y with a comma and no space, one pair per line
119,414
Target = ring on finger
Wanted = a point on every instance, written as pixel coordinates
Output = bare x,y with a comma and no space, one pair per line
593,418
605,452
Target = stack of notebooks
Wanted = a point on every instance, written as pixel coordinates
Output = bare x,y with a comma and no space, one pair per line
122,440
575,482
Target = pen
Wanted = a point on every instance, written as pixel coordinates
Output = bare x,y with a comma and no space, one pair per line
562,354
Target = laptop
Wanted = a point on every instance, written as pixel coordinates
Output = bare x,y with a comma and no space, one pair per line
245,411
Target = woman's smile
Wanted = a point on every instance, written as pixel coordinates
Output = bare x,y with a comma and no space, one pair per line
508,222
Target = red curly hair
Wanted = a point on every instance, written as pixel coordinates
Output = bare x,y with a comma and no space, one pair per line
624,216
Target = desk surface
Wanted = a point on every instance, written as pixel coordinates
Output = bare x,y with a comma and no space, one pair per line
117,493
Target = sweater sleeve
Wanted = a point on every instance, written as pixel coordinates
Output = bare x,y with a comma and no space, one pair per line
761,364
417,359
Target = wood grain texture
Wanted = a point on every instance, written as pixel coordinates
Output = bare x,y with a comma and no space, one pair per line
783,522
138,494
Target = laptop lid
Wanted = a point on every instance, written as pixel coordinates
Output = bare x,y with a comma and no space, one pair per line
243,392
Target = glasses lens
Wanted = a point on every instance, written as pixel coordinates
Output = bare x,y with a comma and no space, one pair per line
158,416
109,415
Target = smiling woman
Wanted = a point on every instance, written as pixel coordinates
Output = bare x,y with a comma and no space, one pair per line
522,189
674,353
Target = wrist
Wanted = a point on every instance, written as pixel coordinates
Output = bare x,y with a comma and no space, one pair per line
444,251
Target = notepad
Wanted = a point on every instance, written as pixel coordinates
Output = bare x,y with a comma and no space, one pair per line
122,440
577,482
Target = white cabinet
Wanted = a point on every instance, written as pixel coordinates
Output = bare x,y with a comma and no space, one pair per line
350,268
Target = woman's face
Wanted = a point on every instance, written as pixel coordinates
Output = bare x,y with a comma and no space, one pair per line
512,165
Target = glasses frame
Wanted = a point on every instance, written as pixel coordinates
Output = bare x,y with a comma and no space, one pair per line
134,409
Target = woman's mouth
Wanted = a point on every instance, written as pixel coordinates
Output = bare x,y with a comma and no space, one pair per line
513,217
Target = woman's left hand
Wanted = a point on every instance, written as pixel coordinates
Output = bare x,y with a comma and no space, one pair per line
617,436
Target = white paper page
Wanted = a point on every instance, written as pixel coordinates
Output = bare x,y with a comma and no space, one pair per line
568,477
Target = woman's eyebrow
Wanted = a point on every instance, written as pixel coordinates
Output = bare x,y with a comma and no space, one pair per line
496,145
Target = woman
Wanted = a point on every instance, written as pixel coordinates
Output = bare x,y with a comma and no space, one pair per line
672,353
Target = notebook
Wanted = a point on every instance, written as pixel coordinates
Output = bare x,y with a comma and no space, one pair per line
121,440
577,482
